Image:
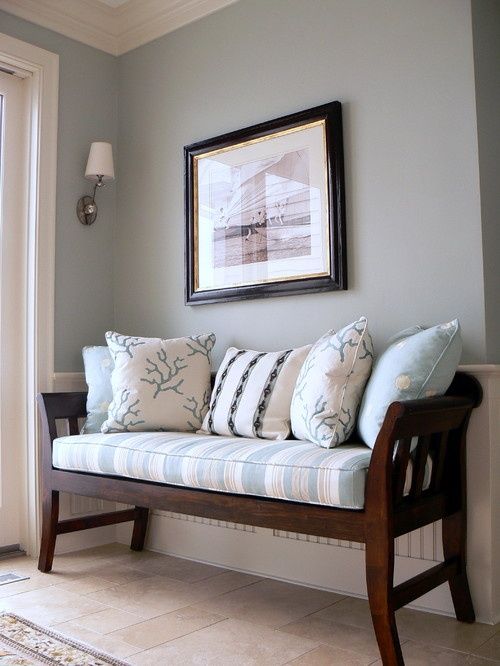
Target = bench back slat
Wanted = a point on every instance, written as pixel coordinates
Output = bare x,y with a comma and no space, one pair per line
401,460
419,465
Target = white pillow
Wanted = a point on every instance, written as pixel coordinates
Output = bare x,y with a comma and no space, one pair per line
330,385
159,384
252,393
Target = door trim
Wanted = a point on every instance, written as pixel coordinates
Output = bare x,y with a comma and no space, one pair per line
42,68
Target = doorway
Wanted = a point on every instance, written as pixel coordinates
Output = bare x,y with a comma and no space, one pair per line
14,179
27,249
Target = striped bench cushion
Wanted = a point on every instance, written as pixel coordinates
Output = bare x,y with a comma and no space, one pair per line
289,470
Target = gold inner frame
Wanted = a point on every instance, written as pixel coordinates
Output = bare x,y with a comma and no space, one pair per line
304,276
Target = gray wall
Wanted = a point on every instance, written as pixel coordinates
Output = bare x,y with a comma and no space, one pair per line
486,35
87,111
404,72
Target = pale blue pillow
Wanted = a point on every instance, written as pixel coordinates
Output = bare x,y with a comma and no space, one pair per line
418,363
98,368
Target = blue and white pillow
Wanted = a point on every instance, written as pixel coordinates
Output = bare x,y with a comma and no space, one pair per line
418,363
159,384
98,368
330,385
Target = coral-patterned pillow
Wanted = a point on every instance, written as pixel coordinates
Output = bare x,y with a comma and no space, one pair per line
330,385
159,384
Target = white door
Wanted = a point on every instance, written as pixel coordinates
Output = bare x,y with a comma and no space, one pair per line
13,271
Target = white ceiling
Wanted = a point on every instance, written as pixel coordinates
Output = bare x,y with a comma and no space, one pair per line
114,26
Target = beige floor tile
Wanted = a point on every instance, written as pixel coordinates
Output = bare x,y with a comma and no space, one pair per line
108,620
121,601
80,558
327,655
19,563
187,571
227,643
27,565
349,610
138,559
270,602
111,571
166,565
148,597
444,631
109,644
167,627
157,595
418,654
343,636
224,582
491,648
106,551
35,582
56,576
85,584
50,605
412,624
72,566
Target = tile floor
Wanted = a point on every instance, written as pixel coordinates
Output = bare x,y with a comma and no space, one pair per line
147,608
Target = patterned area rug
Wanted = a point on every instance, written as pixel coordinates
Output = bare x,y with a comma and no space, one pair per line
23,643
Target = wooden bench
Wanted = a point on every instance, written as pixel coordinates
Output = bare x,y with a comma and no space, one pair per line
440,424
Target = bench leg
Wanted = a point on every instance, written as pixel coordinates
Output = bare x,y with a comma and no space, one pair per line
140,528
50,517
379,581
454,546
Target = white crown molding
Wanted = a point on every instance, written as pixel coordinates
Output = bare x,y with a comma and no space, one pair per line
87,21
114,30
141,21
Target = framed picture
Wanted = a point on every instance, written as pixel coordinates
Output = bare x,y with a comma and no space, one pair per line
265,209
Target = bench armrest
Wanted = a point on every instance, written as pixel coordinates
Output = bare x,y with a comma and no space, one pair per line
415,430
54,407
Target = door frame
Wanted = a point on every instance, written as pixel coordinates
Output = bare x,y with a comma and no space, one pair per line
41,67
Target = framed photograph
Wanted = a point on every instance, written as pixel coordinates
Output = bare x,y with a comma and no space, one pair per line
265,209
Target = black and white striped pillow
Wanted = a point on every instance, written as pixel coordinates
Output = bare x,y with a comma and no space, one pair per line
252,393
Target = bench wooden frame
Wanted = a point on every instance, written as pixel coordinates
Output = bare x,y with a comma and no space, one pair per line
440,425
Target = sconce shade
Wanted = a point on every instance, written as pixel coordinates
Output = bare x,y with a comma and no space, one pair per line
100,162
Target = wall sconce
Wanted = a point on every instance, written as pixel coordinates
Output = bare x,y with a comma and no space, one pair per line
99,169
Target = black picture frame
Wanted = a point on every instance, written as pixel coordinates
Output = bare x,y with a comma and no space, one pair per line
330,117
